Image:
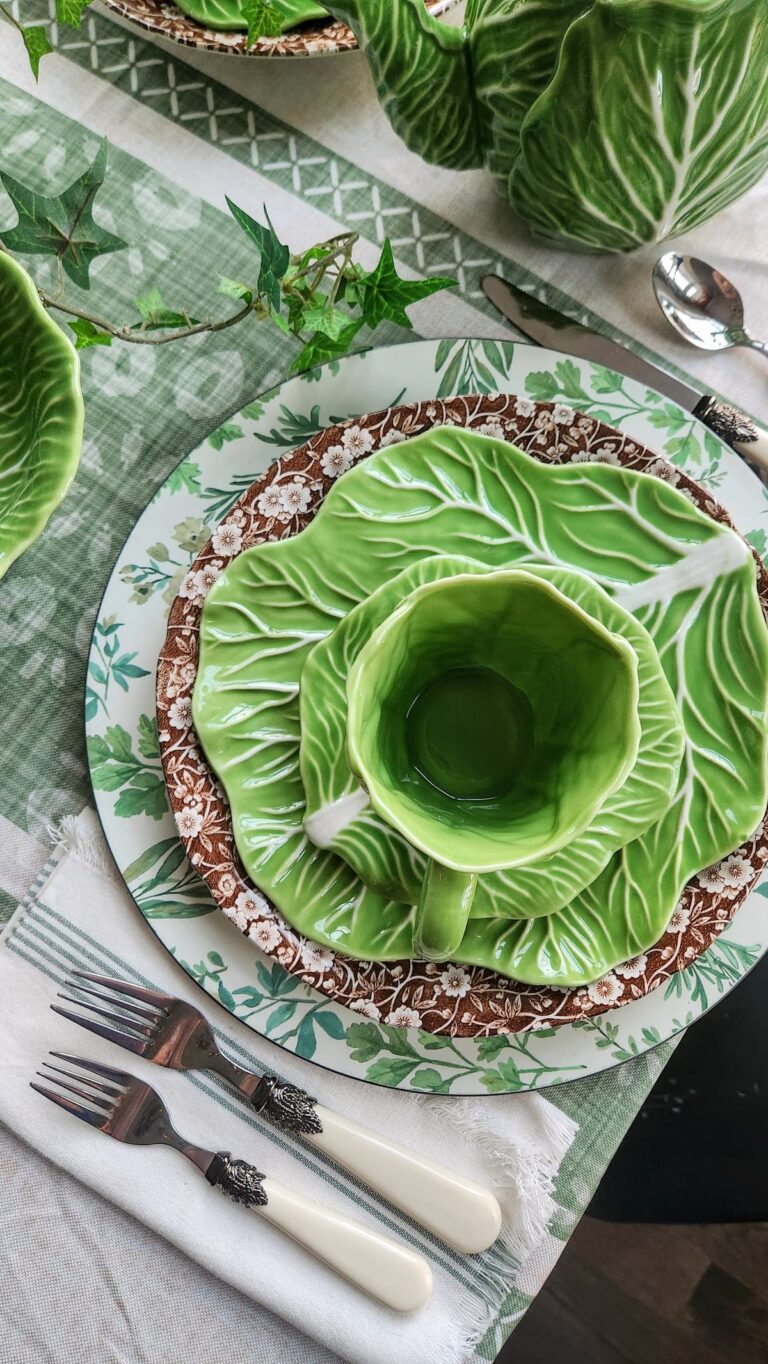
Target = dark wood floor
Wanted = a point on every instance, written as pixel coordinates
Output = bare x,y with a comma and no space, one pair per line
643,1294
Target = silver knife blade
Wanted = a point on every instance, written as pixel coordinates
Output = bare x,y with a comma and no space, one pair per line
558,332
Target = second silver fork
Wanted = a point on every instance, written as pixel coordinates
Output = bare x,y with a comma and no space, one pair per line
124,1107
172,1033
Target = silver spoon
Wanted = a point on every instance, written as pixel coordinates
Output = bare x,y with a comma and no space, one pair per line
701,304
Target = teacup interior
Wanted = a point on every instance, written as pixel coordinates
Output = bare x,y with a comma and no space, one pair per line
489,718
470,733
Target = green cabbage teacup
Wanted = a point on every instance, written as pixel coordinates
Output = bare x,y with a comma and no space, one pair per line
489,717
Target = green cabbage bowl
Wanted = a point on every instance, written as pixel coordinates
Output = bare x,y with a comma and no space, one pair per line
41,413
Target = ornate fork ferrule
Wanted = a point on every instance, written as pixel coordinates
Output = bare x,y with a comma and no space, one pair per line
290,1107
241,1182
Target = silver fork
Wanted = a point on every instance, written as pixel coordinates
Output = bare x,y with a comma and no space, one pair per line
172,1033
127,1109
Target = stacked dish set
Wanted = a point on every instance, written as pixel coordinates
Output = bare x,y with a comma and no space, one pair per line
490,709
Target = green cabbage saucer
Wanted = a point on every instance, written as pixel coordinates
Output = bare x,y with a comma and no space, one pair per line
41,413
382,857
689,580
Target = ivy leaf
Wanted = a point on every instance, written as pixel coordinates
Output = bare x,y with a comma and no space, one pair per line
274,255
62,225
298,304
232,289
329,321
320,348
155,313
86,334
37,45
264,19
71,11
312,254
383,294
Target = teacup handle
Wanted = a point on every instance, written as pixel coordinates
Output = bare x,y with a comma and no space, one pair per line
442,912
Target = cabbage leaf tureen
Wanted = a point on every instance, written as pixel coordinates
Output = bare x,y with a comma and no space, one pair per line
607,123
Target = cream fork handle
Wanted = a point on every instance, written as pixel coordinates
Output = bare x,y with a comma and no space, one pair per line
454,1208
387,1270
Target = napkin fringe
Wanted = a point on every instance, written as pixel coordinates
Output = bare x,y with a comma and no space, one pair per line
525,1168
474,1318
84,839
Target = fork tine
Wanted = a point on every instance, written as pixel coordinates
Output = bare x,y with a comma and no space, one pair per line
156,997
111,1091
123,1039
101,1103
148,1015
118,1077
132,1025
86,1114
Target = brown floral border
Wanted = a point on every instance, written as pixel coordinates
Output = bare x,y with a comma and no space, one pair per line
460,1001
321,38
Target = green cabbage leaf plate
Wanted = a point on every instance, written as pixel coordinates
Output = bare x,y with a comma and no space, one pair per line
687,579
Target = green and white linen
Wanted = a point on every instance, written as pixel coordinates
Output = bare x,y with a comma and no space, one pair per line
308,137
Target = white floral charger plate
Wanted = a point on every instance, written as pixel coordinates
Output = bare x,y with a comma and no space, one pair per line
125,765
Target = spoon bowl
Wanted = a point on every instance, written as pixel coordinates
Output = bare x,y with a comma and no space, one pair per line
701,304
